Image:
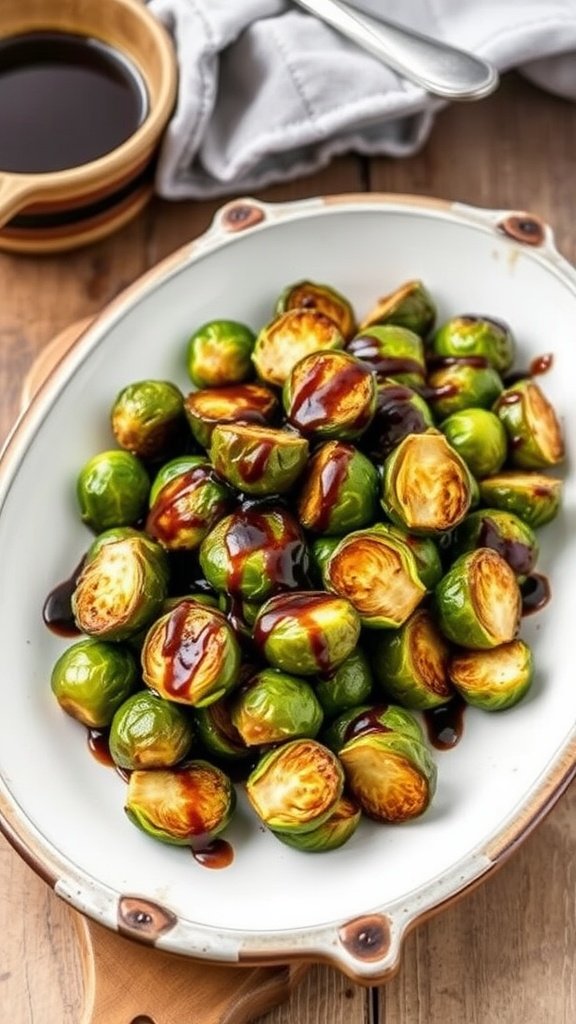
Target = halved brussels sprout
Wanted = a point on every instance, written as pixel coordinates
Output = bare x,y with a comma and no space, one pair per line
462,383
391,775
306,632
92,679
495,679
258,460
502,531
533,429
330,395
152,548
191,655
479,438
391,351
370,718
186,806
187,506
425,551
399,411
320,551
411,664
219,353
275,707
349,685
377,572
333,833
321,297
120,590
339,490
427,487
148,418
296,787
478,602
290,337
246,403
410,305
217,731
484,336
532,496
112,490
148,732
255,553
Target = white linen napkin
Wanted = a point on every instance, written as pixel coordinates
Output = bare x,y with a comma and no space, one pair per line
268,92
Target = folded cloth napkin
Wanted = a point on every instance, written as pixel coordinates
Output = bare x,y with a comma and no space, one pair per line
268,92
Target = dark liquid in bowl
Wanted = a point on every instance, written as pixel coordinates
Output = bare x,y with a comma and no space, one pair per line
65,100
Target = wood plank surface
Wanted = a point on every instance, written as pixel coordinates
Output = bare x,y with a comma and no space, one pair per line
504,955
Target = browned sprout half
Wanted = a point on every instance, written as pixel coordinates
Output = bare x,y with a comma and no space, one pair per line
187,806
533,497
411,664
495,679
248,403
534,432
478,601
333,833
427,487
258,460
391,775
410,305
321,297
296,787
330,395
290,337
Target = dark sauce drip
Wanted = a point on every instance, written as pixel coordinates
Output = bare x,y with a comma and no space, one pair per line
535,593
366,349
445,725
437,362
301,606
252,466
332,476
284,550
433,393
185,651
217,854
395,418
318,395
366,721
171,512
98,745
57,611
538,366
519,556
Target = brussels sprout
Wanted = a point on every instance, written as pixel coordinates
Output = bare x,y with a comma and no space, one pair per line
392,351
377,572
399,411
370,718
185,508
173,469
219,353
324,299
148,418
187,806
479,438
246,403
532,496
478,601
425,551
274,707
320,551
112,490
254,553
333,833
410,305
217,731
191,655
411,663
258,460
427,487
482,336
534,433
119,590
296,787
91,680
502,531
391,775
330,395
148,732
495,679
306,632
349,685
152,548
339,490
460,384
290,337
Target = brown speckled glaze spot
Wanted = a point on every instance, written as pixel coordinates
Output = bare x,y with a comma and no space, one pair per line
524,227
240,216
141,919
366,938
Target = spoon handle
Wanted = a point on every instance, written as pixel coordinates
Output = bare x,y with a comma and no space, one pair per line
439,68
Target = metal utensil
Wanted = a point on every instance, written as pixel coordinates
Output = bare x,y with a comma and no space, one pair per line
439,68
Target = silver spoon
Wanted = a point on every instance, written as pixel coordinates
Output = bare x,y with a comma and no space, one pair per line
439,68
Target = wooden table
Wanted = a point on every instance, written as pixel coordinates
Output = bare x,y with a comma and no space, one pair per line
505,954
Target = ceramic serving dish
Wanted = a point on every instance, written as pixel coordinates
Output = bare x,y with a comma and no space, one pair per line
64,812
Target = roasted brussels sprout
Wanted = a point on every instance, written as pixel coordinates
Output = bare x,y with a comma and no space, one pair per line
399,411
333,833
219,353
426,555
324,299
391,775
148,418
191,655
483,336
495,679
307,632
330,395
370,718
172,469
478,601
217,731
275,707
112,490
246,403
479,438
534,433
188,505
461,384
290,337
152,548
258,460
120,590
92,679
410,305
502,531
339,490
148,732
349,685
392,352
254,553
187,806
296,787
532,496
411,663
427,487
